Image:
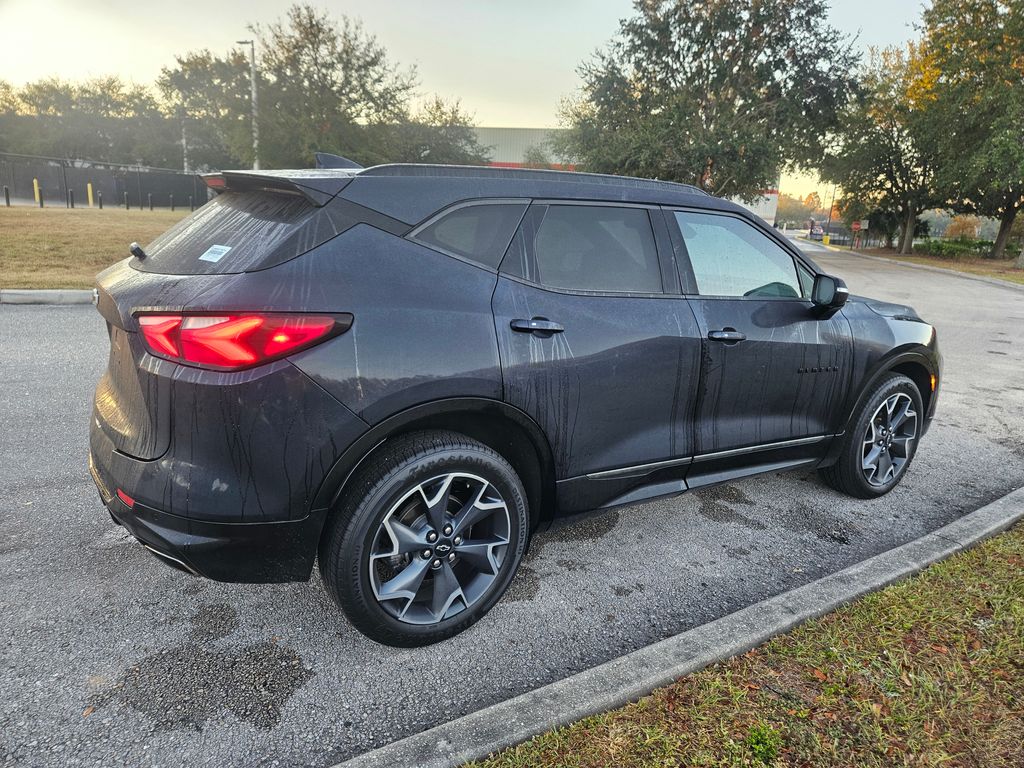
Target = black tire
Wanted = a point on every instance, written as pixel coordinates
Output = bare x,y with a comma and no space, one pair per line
848,474
393,476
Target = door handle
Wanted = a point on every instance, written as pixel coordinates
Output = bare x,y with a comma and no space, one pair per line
727,336
539,325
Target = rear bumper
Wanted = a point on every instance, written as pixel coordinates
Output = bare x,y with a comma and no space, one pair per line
231,499
255,553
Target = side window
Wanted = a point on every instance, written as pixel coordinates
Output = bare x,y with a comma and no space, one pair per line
731,258
597,248
806,280
478,232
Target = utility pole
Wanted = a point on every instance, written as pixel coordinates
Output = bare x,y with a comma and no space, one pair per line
255,103
184,145
828,227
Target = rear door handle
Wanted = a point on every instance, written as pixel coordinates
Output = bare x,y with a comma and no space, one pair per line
727,335
540,325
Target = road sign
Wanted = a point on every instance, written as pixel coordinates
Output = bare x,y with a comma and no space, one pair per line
855,226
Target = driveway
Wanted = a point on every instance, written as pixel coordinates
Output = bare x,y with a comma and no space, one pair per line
110,657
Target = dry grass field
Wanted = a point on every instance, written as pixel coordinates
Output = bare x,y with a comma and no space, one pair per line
62,248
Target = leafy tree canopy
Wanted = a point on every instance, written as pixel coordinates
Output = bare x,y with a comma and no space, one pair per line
972,98
323,84
879,153
718,94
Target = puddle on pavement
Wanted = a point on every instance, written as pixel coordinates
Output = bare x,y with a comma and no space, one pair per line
187,685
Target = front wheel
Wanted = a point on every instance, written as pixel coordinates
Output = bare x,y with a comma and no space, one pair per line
879,447
428,538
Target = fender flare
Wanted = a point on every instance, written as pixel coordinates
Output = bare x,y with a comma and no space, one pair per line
917,353
350,460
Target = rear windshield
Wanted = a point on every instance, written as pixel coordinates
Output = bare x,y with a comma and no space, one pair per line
242,231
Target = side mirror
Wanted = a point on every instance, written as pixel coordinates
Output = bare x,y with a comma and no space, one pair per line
829,293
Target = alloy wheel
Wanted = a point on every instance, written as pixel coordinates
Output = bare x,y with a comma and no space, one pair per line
439,548
889,439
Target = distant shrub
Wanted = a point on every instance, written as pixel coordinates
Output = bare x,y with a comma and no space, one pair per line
954,250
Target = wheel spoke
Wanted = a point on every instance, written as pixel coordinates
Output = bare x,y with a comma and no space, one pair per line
871,460
475,511
406,583
901,447
446,590
437,507
886,414
902,413
885,468
480,553
405,539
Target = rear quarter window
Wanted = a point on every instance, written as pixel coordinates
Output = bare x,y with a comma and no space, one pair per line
242,231
479,232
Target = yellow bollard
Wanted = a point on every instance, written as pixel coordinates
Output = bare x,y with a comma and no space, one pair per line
88,192
824,240
35,188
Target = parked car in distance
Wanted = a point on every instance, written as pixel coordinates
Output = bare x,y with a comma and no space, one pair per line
817,233
400,373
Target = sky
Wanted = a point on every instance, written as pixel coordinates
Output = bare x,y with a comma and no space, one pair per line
509,61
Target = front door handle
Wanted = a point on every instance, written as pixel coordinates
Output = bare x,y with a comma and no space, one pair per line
538,325
727,335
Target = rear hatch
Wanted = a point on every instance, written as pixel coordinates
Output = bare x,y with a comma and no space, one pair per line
255,223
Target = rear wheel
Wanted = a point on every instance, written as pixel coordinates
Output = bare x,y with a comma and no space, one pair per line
878,449
427,540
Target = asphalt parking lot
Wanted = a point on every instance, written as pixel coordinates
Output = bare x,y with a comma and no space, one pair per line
110,657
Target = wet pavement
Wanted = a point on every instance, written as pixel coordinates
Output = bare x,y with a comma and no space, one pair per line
110,657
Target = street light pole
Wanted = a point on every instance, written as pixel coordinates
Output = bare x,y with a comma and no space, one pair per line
255,103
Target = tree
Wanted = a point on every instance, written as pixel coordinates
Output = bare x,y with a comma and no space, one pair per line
880,222
974,98
718,94
326,81
9,101
963,228
100,119
536,156
880,154
439,132
793,211
208,97
324,86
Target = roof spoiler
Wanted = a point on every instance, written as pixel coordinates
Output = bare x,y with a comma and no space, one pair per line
326,160
317,191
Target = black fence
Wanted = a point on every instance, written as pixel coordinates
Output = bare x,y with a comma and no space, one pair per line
141,186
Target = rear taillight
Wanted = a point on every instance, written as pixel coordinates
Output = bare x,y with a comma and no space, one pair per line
236,341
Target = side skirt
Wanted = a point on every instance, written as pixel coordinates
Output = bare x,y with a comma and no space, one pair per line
599,491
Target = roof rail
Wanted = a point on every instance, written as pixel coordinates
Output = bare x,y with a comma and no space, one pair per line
488,172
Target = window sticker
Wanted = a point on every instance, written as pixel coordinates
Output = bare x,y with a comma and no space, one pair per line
215,253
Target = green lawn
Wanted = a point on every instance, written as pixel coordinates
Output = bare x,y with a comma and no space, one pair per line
928,672
63,248
1002,269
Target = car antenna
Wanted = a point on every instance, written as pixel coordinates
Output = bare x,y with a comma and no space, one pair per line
136,250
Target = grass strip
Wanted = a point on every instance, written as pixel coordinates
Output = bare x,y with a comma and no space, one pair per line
927,672
1001,269
65,248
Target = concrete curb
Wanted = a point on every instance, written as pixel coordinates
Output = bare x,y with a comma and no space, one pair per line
929,268
54,296
636,674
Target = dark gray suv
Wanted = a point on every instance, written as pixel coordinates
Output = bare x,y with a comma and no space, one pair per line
404,371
